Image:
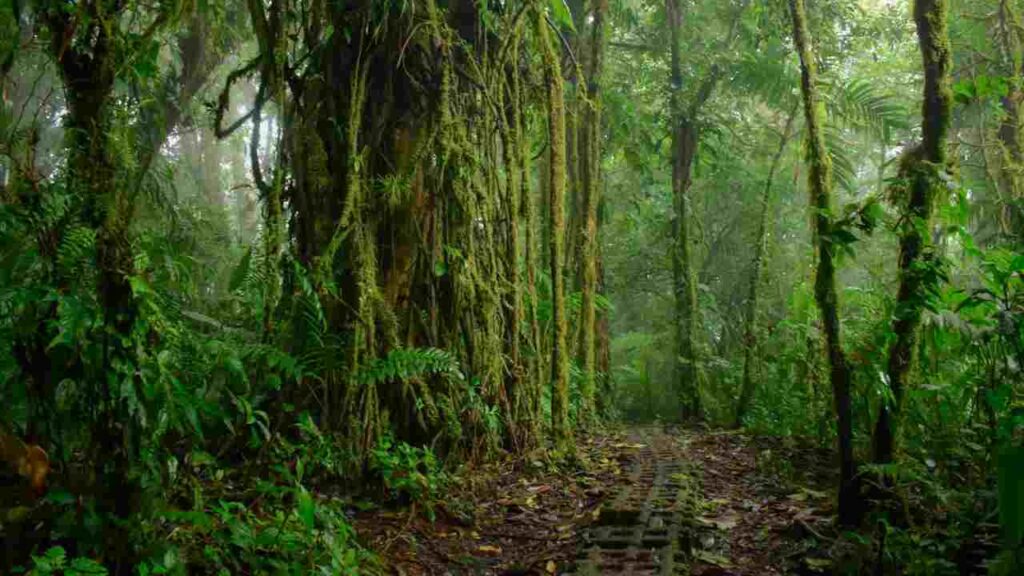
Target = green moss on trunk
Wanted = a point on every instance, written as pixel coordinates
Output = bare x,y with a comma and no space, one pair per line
820,187
556,201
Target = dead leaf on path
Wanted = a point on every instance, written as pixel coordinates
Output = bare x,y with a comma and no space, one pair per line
715,559
551,567
489,550
727,522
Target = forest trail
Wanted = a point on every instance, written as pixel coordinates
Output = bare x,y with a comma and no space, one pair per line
649,501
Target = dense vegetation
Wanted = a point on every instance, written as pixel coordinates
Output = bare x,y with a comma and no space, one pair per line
259,257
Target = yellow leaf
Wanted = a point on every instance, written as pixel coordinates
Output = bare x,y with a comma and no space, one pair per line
551,567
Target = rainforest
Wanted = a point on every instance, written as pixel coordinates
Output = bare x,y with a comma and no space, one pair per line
512,287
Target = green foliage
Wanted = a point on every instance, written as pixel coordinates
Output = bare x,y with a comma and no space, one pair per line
970,90
402,364
862,104
253,367
54,562
562,14
293,531
409,474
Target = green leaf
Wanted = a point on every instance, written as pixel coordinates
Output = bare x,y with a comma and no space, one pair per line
85,567
440,268
963,91
561,13
307,509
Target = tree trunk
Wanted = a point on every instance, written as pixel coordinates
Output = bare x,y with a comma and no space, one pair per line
685,136
820,187
922,168
88,74
750,332
591,174
1011,174
535,377
556,202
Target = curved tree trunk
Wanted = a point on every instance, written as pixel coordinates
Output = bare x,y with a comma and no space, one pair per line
922,169
820,187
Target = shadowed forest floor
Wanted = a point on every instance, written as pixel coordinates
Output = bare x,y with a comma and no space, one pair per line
761,506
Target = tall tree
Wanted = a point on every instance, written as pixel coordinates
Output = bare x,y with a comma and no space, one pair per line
556,202
922,170
686,125
684,148
820,186
590,147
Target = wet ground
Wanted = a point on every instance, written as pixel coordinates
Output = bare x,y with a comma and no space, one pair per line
644,501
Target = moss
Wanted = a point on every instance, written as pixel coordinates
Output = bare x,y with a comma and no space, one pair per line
591,173
556,189
920,183
820,187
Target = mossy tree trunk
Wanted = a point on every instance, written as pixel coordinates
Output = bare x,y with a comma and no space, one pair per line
87,56
820,188
923,171
1011,173
556,176
87,69
685,139
590,147
531,254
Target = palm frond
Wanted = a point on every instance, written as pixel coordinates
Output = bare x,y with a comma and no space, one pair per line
861,105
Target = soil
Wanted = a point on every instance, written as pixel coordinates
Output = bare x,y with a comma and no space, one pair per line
763,507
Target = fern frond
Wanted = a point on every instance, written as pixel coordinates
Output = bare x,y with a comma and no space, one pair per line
861,105
403,364
843,166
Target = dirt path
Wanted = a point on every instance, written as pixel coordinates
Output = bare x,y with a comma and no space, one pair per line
645,527
765,505
646,502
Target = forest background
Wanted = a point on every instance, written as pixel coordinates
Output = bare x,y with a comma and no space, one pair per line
270,251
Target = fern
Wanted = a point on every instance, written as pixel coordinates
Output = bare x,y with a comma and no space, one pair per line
404,364
858,104
77,248
842,165
309,325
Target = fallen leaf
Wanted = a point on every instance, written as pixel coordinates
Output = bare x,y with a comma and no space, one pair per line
551,567
818,564
489,550
715,559
727,522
